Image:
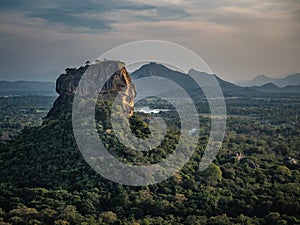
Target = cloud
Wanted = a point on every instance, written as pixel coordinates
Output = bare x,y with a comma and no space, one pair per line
78,13
236,38
70,13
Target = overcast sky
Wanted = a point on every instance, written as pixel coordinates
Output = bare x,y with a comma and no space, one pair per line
237,39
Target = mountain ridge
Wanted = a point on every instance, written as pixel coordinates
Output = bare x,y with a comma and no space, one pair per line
272,88
188,84
24,88
292,79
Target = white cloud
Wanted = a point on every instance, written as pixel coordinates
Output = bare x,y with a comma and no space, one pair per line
161,2
237,38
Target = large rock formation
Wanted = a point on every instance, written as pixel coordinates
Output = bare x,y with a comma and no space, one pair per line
113,72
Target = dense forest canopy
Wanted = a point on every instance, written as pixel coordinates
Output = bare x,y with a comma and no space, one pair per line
253,180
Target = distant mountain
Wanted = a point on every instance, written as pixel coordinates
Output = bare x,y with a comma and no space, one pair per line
163,80
261,79
228,88
162,84
272,88
27,88
293,79
50,76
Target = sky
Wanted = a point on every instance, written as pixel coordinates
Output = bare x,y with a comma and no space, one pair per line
238,39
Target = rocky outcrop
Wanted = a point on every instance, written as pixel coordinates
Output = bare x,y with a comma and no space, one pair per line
117,81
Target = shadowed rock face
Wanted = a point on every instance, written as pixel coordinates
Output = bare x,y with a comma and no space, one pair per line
118,83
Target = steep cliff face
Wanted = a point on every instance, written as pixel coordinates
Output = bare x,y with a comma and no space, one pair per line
118,81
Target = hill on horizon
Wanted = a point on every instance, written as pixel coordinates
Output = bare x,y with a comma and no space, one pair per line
162,74
272,88
160,83
24,88
290,80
